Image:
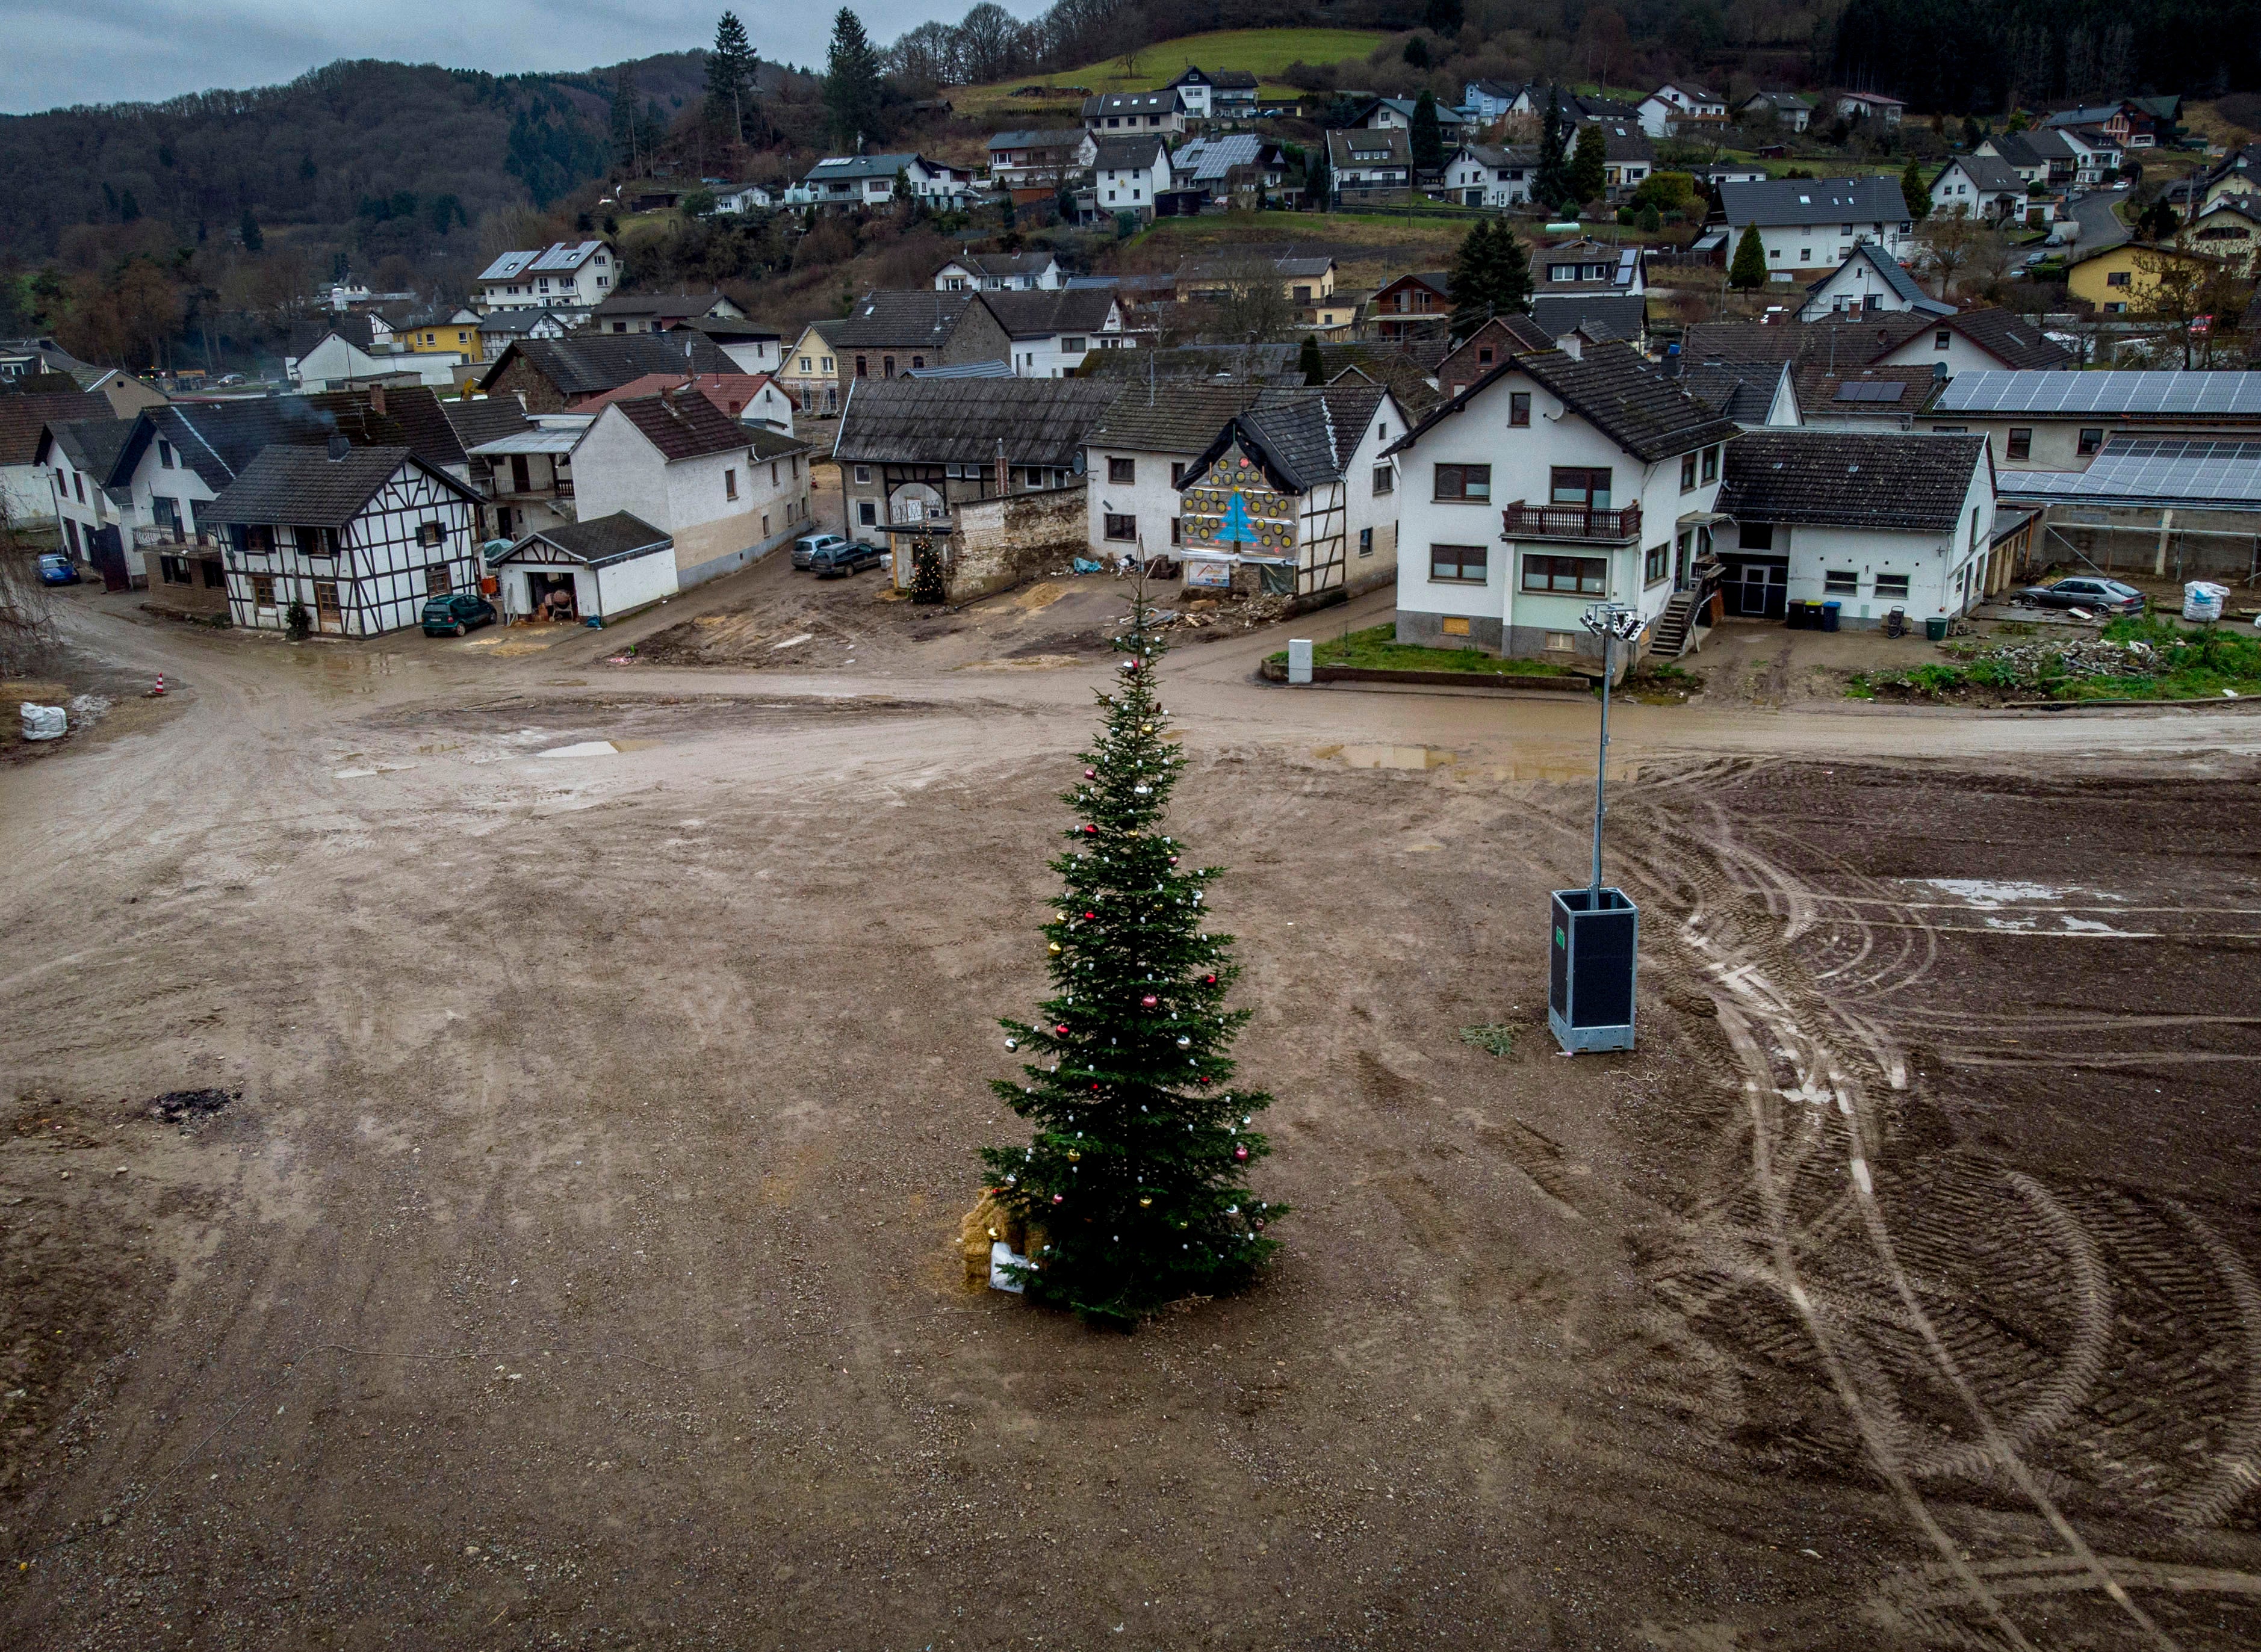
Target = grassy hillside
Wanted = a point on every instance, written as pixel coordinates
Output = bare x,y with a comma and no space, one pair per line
1264,53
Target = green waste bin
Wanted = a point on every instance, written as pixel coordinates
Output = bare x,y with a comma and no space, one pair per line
1935,630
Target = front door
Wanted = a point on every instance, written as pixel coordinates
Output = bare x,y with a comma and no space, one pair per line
328,616
1764,591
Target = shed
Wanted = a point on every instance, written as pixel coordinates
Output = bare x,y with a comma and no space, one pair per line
600,571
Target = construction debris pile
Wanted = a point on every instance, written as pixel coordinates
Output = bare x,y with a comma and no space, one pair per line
2030,664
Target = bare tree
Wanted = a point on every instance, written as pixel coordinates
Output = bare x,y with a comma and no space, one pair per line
1253,305
27,610
1945,246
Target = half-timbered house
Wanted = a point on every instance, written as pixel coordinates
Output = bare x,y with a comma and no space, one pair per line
1295,494
359,537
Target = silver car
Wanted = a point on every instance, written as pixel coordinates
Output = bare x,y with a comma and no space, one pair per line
810,546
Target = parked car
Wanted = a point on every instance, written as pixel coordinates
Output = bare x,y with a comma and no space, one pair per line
55,568
838,561
806,548
2105,596
453,614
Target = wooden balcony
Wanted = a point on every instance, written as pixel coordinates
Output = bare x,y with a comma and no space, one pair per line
1522,521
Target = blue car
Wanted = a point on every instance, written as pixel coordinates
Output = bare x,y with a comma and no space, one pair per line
55,568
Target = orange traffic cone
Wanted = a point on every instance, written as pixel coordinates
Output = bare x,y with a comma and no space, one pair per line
158,693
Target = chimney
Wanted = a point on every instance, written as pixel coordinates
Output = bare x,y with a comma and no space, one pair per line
339,449
1572,346
1672,361
376,400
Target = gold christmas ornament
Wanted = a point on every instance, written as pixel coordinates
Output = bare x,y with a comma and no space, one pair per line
1145,1200
1073,1157
1054,949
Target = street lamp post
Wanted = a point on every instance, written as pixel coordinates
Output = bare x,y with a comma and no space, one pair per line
1596,931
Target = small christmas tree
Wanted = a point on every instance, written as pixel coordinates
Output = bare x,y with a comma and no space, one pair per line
1136,1179
926,573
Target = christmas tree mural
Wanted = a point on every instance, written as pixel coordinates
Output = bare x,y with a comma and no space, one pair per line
1236,528
1134,1188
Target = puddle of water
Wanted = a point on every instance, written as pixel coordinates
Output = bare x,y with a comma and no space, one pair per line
1388,756
1987,894
584,748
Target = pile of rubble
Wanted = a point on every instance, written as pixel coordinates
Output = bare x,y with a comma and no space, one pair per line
2026,664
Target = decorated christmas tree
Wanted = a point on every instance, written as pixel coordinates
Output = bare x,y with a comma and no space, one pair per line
1134,1188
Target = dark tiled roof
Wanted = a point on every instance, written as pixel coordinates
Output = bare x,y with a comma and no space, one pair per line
1308,435
1822,391
1128,155
2014,340
685,427
1556,313
412,418
909,320
1171,418
219,439
1741,390
1915,483
1400,374
1856,340
962,421
287,484
1812,201
1893,274
1039,313
91,444
485,418
727,327
23,417
1264,363
606,540
585,365
666,306
1624,398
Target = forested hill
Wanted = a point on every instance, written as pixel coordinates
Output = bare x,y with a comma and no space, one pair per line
345,141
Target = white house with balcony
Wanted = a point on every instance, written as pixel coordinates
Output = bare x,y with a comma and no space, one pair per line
1561,478
1810,225
570,279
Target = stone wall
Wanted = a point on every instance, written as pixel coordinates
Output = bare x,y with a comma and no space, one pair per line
999,543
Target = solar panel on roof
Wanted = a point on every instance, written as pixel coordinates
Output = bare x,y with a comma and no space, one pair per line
2127,394
2194,469
1870,390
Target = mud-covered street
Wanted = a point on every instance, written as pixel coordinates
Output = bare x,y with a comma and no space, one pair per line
593,1058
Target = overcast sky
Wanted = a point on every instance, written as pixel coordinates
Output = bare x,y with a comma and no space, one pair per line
61,52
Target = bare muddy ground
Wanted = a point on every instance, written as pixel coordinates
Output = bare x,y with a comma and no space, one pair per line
574,1266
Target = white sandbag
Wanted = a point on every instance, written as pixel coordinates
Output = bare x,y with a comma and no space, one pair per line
44,722
1002,1257
2203,600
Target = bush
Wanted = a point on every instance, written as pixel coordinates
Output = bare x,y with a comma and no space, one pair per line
297,624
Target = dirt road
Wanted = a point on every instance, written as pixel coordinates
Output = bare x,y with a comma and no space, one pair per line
598,1054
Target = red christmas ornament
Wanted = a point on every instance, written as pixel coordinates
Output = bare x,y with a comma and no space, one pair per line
1203,1079
1208,980
1061,1199
1130,665
1091,831
1091,914
1061,1029
1091,774
1174,860
1240,1152
1095,1086
1150,1001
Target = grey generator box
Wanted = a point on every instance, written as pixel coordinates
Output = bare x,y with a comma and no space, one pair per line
1589,977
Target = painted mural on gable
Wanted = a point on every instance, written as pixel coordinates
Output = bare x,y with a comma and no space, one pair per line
1234,507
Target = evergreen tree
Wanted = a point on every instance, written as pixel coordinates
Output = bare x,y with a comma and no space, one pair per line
1490,276
1318,179
1416,53
730,66
1650,220
1428,136
1915,191
1313,365
1444,16
624,119
1588,169
927,584
1550,184
852,89
253,241
1749,269
1136,1178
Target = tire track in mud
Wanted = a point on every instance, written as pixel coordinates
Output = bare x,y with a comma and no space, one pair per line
1813,1039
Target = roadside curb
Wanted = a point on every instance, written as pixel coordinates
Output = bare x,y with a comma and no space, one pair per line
1481,682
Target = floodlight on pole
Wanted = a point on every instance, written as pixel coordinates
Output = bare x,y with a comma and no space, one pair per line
1610,622
1596,931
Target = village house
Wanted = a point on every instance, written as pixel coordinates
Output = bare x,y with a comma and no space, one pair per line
987,473
1586,265
527,474
1128,174
1806,225
888,335
659,311
1042,157
77,457
571,279
1967,341
1846,396
870,181
1052,331
1485,349
1985,187
1396,114
1627,156
1369,168
1789,110
1873,106
1414,306
27,494
1869,282
2061,421
598,571
1482,174
360,538
749,346
726,494
498,329
1756,395
556,376
1487,101
1137,454
744,197
1000,272
1677,104
1116,114
751,398
2228,230
1237,166
1869,522
1225,94
1295,496
2126,277
1559,480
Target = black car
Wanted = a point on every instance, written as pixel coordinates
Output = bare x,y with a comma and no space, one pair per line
2099,596
453,614
837,561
